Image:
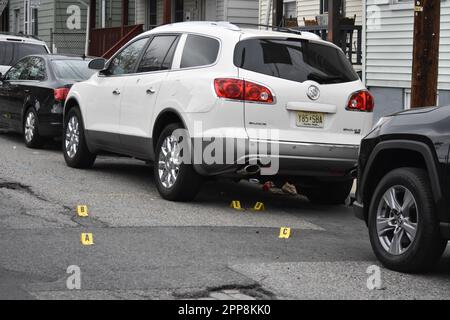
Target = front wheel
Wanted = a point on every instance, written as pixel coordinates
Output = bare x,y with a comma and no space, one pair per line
175,179
31,130
329,192
403,227
76,152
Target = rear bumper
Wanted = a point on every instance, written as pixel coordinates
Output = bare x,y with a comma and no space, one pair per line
51,125
290,159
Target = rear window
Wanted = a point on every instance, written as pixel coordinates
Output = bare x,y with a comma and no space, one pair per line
26,49
199,51
294,59
75,70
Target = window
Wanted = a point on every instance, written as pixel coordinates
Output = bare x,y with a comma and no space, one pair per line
159,54
72,70
15,72
324,7
125,61
34,69
30,17
199,51
295,60
6,53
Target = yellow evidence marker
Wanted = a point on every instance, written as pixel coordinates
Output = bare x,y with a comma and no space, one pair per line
87,239
285,233
236,205
82,211
259,206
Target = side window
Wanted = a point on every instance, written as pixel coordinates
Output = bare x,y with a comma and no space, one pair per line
159,54
199,51
16,71
35,70
125,61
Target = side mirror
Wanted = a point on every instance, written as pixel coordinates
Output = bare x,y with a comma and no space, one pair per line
97,64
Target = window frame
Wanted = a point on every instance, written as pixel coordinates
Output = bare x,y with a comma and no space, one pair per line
105,73
177,43
27,62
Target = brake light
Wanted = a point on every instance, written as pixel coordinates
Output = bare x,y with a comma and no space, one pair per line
61,94
361,101
236,89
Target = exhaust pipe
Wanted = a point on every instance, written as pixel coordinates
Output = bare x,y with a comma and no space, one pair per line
252,169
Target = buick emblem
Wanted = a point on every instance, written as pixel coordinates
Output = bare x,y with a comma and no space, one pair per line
313,93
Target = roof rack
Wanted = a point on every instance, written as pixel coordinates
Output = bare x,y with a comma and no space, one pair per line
28,36
274,28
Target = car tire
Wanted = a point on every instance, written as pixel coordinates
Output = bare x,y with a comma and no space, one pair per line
31,134
76,152
182,183
329,193
410,254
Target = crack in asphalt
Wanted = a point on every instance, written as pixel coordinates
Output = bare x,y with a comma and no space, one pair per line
66,210
255,291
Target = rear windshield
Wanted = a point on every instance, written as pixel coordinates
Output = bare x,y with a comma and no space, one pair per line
294,59
11,52
75,70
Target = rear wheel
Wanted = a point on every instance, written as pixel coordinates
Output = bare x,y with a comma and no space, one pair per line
31,130
328,192
175,180
76,152
403,227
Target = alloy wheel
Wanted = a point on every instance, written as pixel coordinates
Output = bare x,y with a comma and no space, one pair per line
30,126
397,220
72,141
169,162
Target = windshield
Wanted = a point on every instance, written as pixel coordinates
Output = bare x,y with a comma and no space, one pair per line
294,59
73,70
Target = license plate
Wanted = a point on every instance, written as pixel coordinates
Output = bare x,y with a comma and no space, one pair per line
310,119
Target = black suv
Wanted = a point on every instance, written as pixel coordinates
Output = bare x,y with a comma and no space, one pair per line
403,188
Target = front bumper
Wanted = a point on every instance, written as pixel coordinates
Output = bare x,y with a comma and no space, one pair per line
287,158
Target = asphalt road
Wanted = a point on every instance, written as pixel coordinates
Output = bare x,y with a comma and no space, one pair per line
148,248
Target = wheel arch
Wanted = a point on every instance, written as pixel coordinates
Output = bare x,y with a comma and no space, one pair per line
70,103
393,154
164,118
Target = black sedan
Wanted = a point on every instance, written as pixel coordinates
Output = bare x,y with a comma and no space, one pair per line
32,95
404,188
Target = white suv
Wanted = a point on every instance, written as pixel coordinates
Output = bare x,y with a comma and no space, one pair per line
15,47
284,100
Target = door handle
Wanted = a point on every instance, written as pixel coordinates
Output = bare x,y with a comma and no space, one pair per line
151,91
116,92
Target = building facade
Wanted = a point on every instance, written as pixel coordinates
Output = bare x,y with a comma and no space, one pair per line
151,12
389,26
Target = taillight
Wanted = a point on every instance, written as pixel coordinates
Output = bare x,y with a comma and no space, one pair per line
236,89
361,101
61,94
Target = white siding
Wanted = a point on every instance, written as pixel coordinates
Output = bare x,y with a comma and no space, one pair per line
307,9
353,7
140,11
159,12
242,11
220,10
263,12
389,46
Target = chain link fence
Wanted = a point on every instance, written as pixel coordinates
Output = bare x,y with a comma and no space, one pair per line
68,43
